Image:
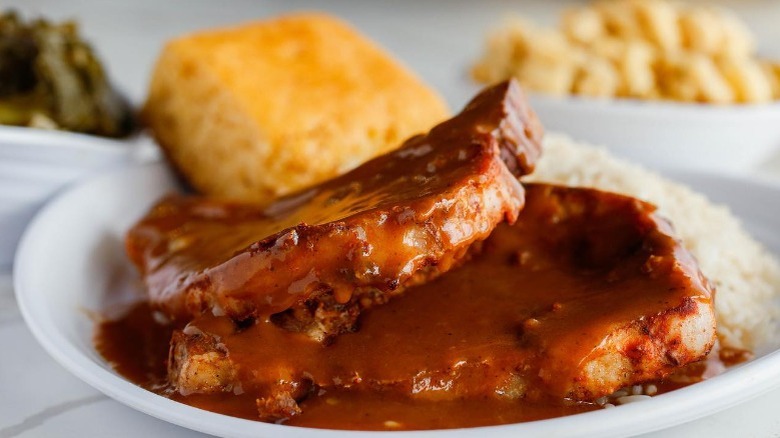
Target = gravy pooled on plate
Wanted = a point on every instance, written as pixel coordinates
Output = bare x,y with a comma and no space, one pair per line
586,293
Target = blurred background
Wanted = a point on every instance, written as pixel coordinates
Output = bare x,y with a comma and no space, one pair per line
434,37
438,39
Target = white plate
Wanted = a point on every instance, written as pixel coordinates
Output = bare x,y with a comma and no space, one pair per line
71,263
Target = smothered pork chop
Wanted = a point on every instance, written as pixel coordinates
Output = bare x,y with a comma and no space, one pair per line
271,311
588,292
322,254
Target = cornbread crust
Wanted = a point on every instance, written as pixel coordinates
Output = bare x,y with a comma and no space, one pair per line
260,110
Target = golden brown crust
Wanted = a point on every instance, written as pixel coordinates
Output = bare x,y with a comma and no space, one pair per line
265,98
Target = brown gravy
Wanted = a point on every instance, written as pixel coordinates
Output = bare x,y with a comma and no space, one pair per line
437,356
376,227
137,348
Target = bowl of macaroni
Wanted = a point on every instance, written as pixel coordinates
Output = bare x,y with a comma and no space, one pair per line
665,84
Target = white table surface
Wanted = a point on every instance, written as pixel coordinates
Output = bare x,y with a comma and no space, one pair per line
38,398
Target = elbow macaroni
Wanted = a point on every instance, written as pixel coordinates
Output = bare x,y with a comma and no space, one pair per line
645,49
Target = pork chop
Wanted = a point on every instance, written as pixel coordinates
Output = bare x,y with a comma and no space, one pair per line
586,293
323,254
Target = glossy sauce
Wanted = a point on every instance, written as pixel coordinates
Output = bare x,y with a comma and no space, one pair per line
137,347
536,301
428,201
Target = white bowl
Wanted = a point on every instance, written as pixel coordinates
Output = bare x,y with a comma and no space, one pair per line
35,164
668,135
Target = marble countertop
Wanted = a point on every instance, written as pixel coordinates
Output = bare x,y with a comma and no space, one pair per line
38,398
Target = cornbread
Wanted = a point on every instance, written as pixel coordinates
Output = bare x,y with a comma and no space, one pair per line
257,111
641,49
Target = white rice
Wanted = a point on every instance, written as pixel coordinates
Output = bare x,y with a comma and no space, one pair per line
746,276
629,394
